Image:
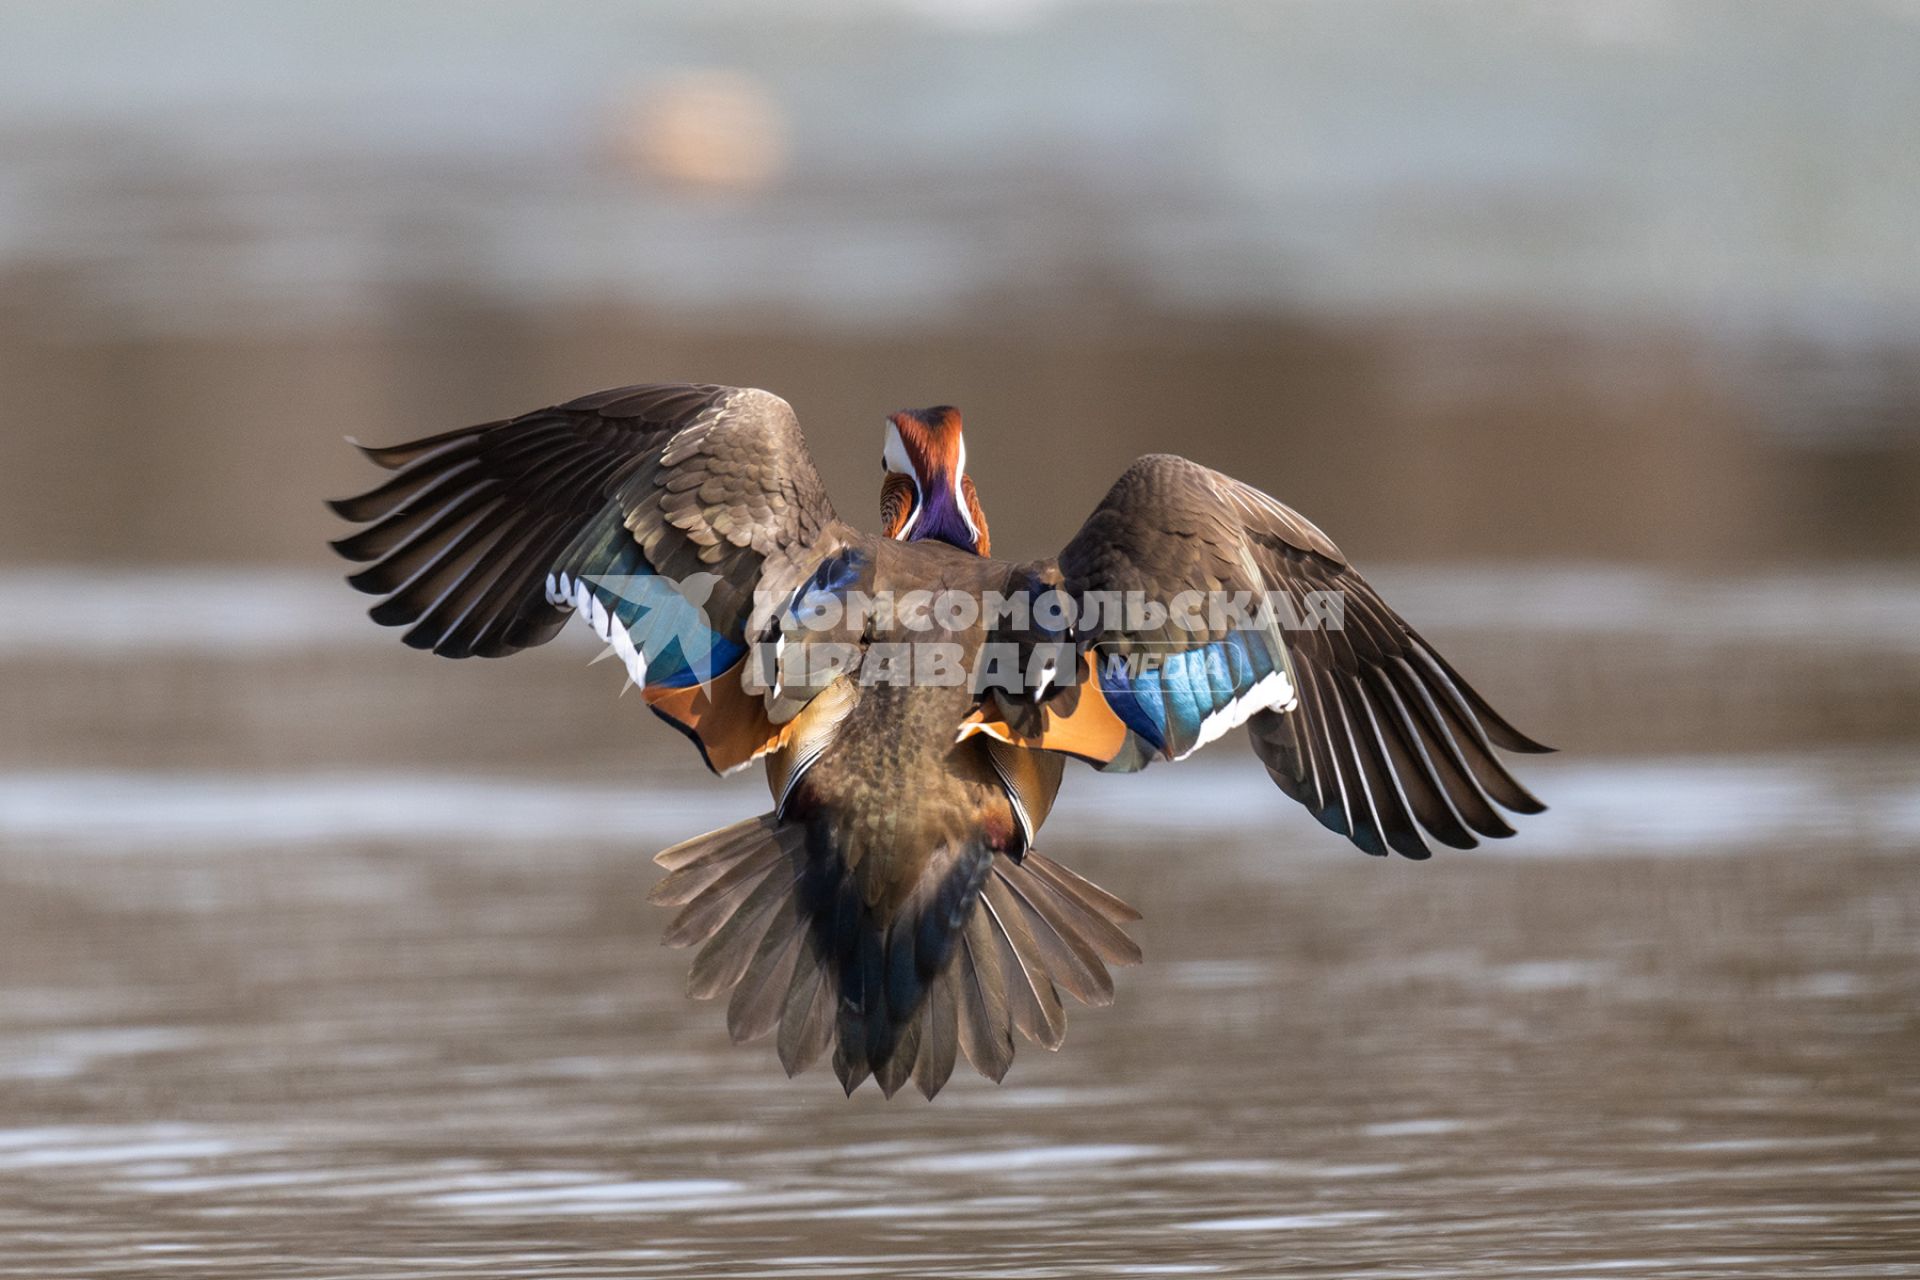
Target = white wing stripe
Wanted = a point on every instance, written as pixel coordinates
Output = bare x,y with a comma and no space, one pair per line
1272,692
605,624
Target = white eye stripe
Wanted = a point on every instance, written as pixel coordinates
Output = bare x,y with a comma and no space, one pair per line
959,495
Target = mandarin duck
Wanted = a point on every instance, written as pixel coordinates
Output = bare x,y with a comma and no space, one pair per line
891,908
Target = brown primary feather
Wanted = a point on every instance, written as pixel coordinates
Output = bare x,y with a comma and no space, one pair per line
1451,764
1072,962
806,1020
1080,912
761,995
986,1022
939,1037
1089,896
723,961
1036,1005
896,1068
702,917
694,865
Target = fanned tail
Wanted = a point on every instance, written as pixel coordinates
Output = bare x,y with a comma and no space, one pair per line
979,950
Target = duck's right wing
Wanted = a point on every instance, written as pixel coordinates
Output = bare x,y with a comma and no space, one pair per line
654,512
1353,712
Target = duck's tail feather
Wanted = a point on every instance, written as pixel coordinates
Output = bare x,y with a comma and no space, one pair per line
982,948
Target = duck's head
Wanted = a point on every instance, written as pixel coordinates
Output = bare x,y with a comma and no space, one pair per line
926,492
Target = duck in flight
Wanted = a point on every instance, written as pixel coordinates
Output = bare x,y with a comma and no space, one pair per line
892,908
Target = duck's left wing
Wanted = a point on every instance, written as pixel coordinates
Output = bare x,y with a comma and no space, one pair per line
653,512
1202,604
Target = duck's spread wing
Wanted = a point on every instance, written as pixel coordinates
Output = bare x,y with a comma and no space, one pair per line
651,511
1354,714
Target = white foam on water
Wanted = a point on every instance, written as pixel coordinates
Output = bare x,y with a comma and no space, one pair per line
1020,1158
1686,805
64,1054
233,612
671,1195
1290,1222
1415,1128
130,810
1664,806
78,1146
240,611
1869,605
1301,1170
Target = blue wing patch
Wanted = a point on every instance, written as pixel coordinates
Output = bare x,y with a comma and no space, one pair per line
658,626
1175,700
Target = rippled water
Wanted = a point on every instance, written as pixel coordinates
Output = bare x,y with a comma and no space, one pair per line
419,1026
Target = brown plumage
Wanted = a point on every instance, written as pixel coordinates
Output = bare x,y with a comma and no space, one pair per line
891,909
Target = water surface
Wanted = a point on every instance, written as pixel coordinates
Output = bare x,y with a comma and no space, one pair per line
418,1025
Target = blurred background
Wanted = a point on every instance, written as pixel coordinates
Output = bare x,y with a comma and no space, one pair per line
1632,281
1589,328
